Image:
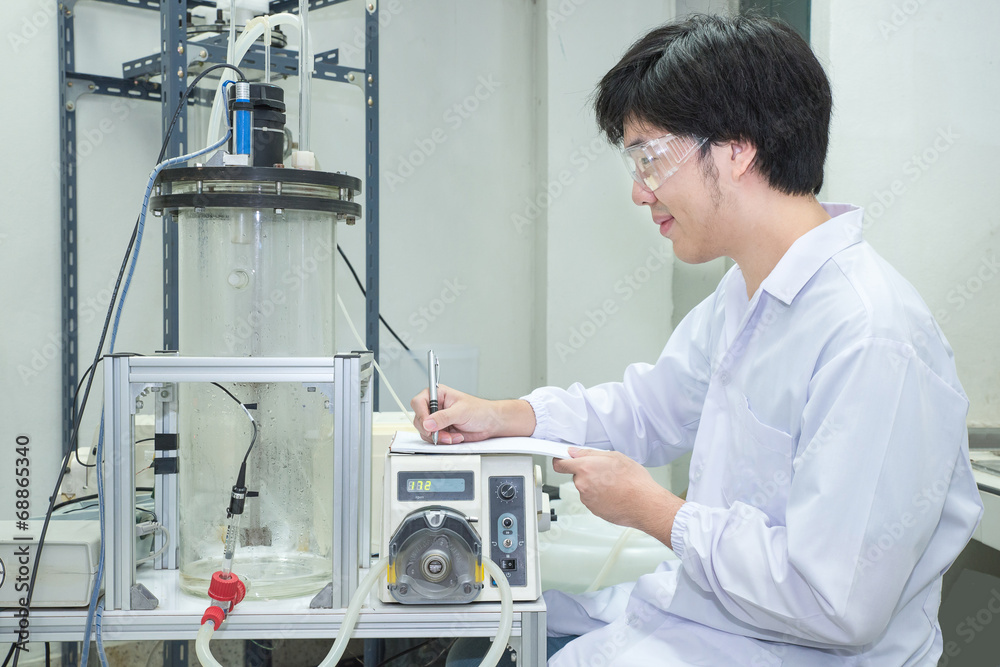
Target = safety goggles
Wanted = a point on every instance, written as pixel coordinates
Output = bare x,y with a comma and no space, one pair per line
653,162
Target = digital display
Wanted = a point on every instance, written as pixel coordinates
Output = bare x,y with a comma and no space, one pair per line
435,485
440,485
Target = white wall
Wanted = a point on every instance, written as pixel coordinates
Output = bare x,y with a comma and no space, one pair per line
916,100
607,270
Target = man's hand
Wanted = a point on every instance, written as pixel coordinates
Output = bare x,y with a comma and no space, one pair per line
465,418
619,490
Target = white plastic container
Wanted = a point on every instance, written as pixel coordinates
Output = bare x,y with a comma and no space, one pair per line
577,546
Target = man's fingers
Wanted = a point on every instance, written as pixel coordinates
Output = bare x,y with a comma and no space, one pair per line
419,403
441,419
565,466
450,437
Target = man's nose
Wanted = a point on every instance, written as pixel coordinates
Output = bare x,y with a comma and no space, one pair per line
642,195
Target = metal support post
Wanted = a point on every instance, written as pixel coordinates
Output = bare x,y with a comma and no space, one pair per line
173,36
175,654
346,473
165,462
530,645
364,455
371,180
67,232
119,485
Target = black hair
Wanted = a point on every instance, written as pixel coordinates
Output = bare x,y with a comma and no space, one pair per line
742,78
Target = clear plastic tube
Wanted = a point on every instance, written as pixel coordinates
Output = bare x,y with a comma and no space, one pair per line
267,52
492,657
610,561
201,648
305,76
232,533
353,611
232,31
506,615
254,29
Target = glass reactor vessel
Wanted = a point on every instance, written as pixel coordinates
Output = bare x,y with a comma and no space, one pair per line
256,279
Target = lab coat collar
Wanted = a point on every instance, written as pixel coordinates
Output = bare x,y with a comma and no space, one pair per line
812,250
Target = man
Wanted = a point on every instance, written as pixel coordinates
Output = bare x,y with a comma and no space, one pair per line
830,484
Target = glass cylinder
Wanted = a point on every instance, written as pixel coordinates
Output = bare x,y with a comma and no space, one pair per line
256,284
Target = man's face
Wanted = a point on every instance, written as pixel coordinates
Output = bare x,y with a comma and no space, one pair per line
687,206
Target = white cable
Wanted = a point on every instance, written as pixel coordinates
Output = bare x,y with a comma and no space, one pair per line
610,560
166,543
201,649
361,342
506,615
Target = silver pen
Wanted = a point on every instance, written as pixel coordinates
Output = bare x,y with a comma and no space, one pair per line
432,385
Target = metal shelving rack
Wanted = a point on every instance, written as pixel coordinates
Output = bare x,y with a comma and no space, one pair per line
172,64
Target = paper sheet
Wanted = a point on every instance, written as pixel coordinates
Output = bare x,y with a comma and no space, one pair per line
411,443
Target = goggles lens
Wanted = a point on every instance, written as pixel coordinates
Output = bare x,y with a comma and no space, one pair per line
652,163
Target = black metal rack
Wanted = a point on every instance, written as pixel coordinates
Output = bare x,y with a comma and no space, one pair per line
173,65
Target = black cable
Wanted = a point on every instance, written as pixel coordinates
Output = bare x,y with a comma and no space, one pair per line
48,655
93,496
74,438
6,660
405,652
253,422
361,285
441,652
90,369
229,394
183,103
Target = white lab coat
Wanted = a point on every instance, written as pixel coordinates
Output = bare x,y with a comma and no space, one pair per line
830,482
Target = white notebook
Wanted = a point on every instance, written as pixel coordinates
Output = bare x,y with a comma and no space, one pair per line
410,443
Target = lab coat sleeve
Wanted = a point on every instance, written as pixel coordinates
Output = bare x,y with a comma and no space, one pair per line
652,414
879,457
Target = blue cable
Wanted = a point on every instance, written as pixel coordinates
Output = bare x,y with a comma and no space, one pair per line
95,593
100,640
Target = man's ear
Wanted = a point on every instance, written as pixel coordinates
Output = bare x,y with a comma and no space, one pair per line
742,156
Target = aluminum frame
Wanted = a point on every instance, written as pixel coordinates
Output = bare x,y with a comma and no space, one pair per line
346,379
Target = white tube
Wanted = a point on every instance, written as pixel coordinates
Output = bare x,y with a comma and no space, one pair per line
353,611
201,649
254,29
305,76
612,558
506,615
267,52
361,342
232,31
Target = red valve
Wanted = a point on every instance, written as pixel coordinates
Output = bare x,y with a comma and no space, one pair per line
226,593
214,614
